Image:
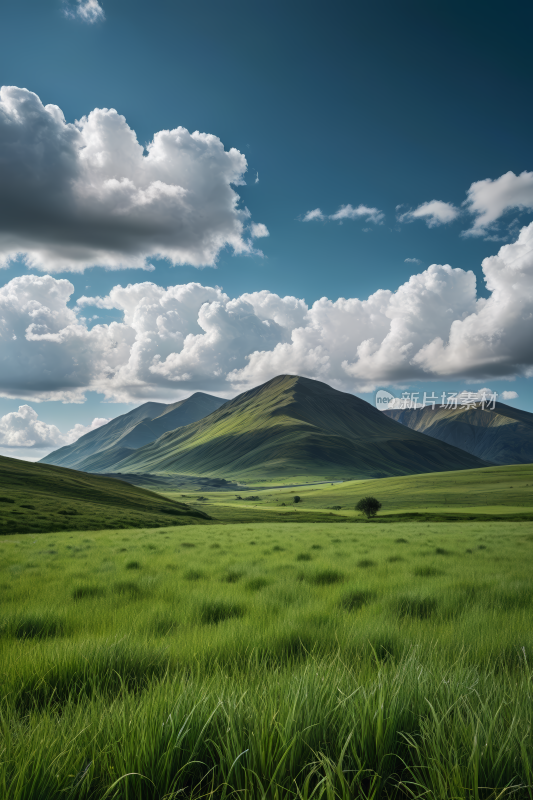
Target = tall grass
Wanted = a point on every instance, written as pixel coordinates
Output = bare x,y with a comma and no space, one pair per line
294,679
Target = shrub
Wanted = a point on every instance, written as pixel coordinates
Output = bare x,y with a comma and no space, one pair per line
297,498
133,565
304,557
368,506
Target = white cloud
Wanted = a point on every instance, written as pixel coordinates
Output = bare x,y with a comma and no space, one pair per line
489,199
316,213
434,212
88,10
258,230
412,261
87,194
348,212
192,337
24,429
509,395
80,430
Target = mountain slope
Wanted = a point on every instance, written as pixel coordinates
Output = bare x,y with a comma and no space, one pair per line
503,435
35,498
293,426
132,430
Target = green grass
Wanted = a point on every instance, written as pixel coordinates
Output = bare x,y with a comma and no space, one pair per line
394,662
496,492
37,498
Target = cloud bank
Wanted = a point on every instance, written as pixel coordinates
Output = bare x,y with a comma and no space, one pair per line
24,429
192,337
88,194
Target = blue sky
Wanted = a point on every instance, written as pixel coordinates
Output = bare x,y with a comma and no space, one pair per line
382,106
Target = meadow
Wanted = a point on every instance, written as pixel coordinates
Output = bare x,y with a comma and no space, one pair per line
492,492
268,661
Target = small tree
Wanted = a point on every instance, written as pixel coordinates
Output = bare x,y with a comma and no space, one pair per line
297,498
368,506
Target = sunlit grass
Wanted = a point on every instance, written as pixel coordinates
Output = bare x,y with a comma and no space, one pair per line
390,661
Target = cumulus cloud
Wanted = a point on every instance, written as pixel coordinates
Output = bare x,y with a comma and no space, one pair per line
87,10
509,395
88,194
368,214
190,337
24,429
316,213
434,213
488,200
258,230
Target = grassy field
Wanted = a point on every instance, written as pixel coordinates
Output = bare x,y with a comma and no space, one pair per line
476,493
36,498
268,661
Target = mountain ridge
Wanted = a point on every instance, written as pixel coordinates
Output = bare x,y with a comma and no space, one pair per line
136,428
292,425
503,435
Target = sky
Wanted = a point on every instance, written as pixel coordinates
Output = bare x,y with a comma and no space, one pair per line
203,195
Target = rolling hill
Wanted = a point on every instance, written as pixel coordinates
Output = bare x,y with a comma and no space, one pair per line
36,498
126,433
500,492
293,426
503,435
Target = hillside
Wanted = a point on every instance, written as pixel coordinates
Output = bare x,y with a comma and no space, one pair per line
503,435
36,498
292,426
139,427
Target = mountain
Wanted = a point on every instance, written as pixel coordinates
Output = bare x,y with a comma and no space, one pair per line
36,498
503,435
294,426
139,427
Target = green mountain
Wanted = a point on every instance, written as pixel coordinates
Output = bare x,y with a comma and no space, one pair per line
296,427
36,498
141,426
503,435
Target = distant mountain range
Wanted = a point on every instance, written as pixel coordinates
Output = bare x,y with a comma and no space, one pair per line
503,435
100,449
289,426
